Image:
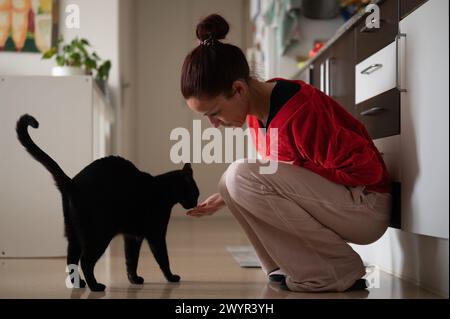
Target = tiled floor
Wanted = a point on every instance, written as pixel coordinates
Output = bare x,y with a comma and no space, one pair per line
197,249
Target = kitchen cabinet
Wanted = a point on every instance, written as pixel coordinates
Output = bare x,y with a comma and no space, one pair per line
371,40
402,99
424,138
75,122
395,81
341,67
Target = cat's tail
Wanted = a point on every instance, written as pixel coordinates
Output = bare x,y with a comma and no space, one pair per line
62,181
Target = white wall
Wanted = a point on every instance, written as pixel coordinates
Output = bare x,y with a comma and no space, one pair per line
99,23
165,35
126,137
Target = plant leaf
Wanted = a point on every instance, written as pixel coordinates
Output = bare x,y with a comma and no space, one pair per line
76,57
103,71
91,64
49,54
60,60
82,49
84,42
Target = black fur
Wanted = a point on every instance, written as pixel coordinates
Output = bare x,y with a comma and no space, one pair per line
109,197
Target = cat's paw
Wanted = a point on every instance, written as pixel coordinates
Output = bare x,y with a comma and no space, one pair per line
136,280
173,278
97,287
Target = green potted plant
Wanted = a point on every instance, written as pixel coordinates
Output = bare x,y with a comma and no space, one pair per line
102,75
77,58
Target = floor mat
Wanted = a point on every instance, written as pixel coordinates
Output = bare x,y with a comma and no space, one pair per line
245,256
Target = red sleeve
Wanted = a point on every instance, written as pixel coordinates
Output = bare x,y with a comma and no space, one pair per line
349,157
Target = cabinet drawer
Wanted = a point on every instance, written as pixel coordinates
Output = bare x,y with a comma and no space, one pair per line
376,74
370,40
381,114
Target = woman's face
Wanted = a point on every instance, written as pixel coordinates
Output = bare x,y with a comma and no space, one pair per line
221,110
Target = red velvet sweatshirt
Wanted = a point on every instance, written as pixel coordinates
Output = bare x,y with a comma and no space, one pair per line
317,133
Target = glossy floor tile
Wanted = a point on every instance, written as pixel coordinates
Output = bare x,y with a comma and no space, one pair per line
197,249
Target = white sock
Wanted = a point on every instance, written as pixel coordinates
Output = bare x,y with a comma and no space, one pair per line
277,272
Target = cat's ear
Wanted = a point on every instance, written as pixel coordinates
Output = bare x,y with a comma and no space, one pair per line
187,168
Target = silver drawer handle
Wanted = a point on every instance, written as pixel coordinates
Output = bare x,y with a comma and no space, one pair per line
372,68
397,62
373,111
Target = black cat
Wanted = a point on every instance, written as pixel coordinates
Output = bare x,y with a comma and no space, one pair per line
109,197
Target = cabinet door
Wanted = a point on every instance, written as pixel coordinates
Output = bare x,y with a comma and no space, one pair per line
342,65
31,217
425,119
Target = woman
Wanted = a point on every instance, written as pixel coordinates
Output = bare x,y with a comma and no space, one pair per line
333,190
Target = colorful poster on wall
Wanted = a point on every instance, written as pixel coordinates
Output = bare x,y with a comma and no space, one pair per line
28,25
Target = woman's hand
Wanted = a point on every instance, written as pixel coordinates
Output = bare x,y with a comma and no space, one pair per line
208,207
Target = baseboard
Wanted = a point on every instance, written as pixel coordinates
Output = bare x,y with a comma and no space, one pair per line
412,281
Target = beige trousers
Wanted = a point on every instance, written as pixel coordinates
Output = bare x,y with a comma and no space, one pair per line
300,222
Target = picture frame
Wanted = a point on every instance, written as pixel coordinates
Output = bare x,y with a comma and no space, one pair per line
28,25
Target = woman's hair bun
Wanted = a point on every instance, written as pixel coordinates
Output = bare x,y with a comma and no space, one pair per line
212,27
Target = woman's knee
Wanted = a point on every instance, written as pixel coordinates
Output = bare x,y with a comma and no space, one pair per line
233,178
242,168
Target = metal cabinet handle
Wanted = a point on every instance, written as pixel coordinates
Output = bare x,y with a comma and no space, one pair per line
327,76
322,77
372,68
373,111
397,61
